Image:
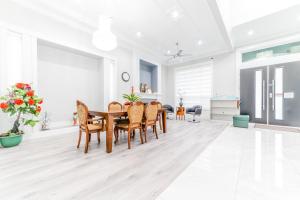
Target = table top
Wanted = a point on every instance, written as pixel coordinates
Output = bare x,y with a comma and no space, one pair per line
115,113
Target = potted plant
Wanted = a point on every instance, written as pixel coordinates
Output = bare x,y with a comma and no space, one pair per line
22,103
132,97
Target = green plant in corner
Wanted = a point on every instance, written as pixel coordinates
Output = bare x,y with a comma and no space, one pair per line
132,97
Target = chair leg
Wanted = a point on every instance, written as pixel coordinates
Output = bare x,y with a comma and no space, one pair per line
98,136
87,137
79,138
141,136
146,133
90,137
155,132
116,132
160,123
129,134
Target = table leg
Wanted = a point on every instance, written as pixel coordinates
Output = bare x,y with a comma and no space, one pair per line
109,133
164,118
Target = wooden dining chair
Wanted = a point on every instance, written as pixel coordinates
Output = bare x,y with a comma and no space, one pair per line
86,125
159,119
126,105
114,107
135,116
150,118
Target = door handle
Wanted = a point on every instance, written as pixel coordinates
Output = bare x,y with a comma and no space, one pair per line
273,95
263,95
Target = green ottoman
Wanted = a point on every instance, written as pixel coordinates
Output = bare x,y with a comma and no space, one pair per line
241,121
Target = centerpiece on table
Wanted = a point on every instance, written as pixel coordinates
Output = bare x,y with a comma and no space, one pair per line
132,97
22,103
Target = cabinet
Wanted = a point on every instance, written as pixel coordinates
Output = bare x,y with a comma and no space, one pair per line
224,109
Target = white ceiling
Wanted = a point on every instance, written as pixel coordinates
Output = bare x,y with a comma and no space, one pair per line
160,32
279,24
203,20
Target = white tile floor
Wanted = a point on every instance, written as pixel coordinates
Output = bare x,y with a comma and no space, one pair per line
243,164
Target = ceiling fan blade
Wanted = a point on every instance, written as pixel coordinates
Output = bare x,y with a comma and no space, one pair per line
170,55
184,55
179,52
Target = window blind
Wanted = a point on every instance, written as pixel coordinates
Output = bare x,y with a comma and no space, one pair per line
194,84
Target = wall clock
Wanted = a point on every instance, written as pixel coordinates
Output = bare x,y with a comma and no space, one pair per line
125,76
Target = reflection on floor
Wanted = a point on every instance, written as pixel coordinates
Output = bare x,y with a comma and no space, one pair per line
278,128
243,164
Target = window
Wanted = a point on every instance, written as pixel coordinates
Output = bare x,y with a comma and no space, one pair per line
194,85
279,93
258,94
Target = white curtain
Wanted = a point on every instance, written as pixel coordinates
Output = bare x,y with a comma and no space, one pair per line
194,84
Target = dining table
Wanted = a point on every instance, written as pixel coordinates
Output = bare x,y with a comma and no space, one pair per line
109,123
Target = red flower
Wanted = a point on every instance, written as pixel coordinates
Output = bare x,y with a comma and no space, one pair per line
31,102
19,102
30,93
38,109
41,101
3,106
20,85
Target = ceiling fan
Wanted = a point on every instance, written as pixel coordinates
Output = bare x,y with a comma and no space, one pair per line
179,53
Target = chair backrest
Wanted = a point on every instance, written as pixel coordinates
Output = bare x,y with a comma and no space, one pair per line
82,112
197,106
159,105
126,105
151,112
114,107
168,107
135,113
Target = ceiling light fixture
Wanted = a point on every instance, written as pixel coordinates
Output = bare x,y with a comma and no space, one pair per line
168,52
200,42
139,34
175,14
250,32
103,38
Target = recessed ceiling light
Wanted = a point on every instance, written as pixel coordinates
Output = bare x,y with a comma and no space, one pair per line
200,42
139,34
250,32
168,52
175,14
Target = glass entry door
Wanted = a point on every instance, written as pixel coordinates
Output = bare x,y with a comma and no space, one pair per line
284,91
253,93
271,94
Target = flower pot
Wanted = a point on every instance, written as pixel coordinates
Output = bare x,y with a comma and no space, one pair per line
11,141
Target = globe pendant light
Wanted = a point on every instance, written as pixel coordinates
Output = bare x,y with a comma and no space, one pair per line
103,38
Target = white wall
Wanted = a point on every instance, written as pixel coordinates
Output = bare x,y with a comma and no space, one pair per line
224,75
34,24
64,77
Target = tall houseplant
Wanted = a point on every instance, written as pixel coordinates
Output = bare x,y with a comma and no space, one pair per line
132,97
21,102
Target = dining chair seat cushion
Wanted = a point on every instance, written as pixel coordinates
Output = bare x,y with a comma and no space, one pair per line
94,127
123,126
122,121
